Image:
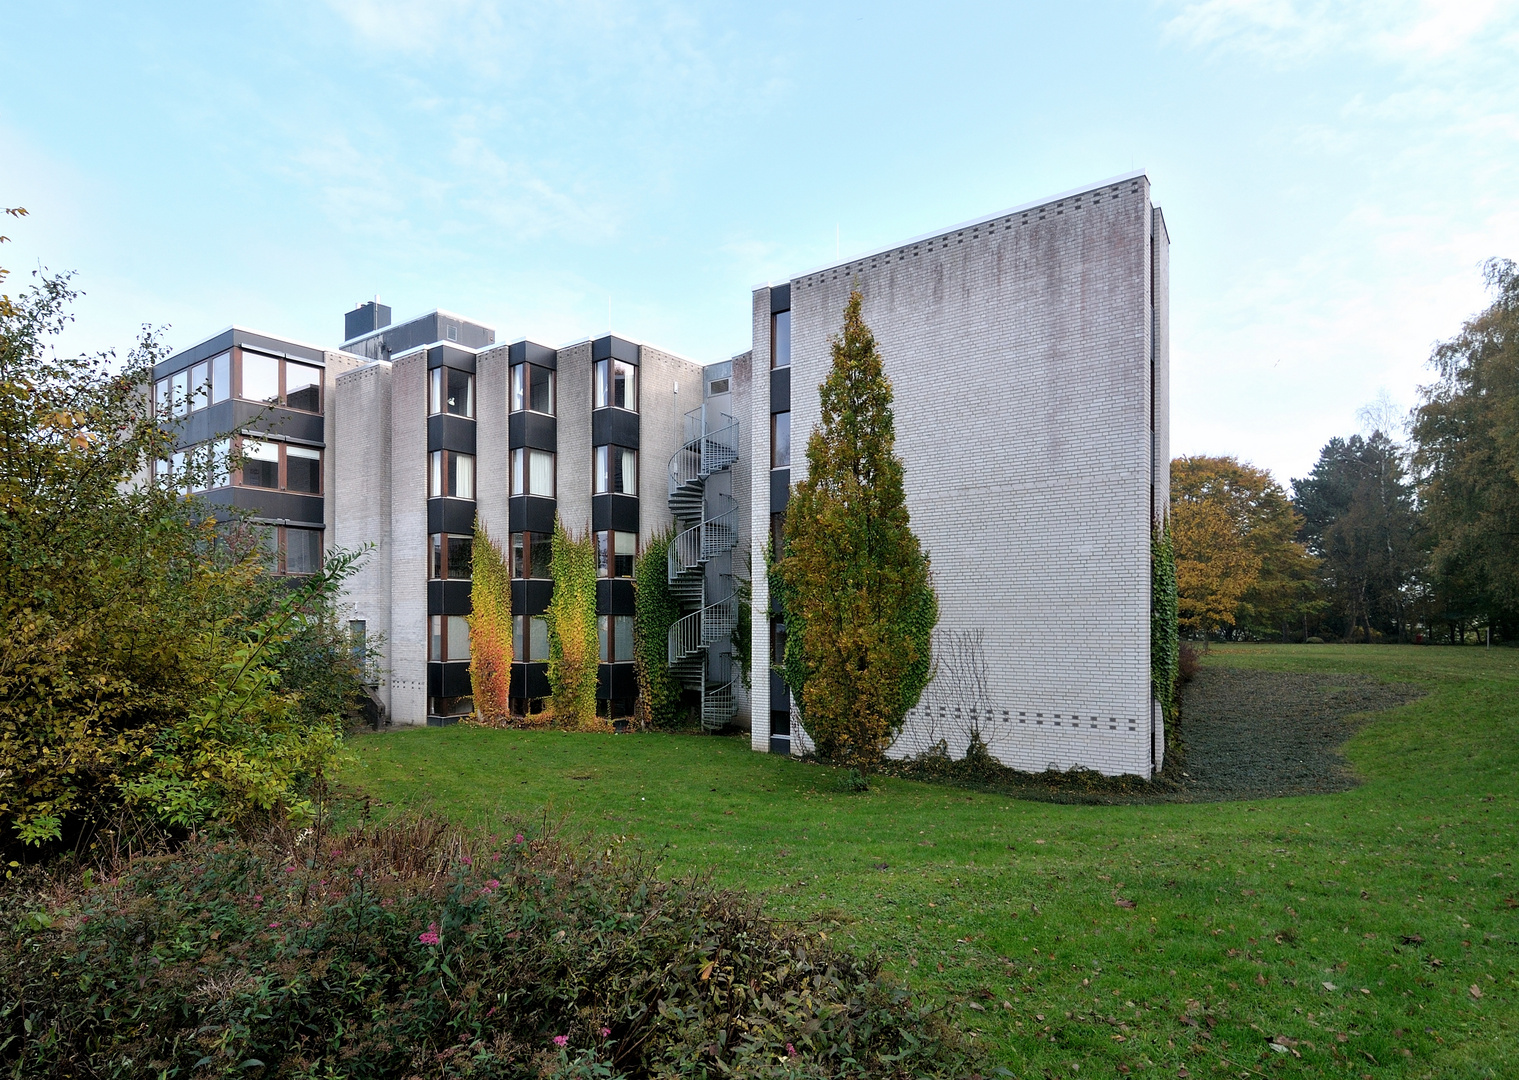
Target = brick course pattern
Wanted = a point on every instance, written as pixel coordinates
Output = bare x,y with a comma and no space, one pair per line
1021,350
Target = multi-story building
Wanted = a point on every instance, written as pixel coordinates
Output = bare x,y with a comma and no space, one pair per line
1029,353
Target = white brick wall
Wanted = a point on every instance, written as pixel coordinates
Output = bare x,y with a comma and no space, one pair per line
493,480
574,398
661,429
408,532
1019,352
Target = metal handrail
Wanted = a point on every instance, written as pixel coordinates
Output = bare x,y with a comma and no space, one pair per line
694,632
704,541
704,455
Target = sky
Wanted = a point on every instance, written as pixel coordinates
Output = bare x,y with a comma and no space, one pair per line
1333,175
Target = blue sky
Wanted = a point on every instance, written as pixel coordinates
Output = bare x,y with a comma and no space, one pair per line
1333,175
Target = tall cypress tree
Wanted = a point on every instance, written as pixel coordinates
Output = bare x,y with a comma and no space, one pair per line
854,580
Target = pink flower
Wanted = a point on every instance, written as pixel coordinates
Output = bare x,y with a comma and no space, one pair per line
430,935
605,1032
466,860
491,886
274,924
289,869
517,839
790,1050
561,1041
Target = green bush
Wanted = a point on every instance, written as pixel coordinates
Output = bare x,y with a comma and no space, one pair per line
656,610
415,950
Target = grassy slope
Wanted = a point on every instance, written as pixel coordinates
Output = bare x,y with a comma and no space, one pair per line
1244,911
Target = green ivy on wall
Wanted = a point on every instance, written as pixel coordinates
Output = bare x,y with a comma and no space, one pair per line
1165,646
655,611
574,645
490,629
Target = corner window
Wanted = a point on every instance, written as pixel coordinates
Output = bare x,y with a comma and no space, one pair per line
780,339
532,389
616,470
276,466
616,385
780,440
532,555
221,377
448,637
616,634
270,380
532,472
261,378
194,388
303,387
530,639
615,554
450,475
450,391
451,556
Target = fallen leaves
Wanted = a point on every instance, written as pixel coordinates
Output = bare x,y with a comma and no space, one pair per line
1121,902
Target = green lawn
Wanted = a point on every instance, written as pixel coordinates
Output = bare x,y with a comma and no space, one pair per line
1288,917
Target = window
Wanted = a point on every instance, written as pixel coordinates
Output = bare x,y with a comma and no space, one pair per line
261,378
532,472
777,535
452,475
616,470
777,642
448,637
451,706
261,464
780,339
200,385
532,389
303,387
221,453
616,385
452,556
615,552
303,470
303,550
358,639
530,638
221,377
162,397
532,555
179,384
450,391
616,634
780,440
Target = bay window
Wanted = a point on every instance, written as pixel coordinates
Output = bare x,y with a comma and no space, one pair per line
530,639
452,557
303,470
532,472
448,637
532,389
303,550
451,475
303,387
261,378
616,635
450,391
532,555
615,553
616,470
261,464
616,385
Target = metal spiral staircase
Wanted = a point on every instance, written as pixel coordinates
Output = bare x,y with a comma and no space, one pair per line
709,528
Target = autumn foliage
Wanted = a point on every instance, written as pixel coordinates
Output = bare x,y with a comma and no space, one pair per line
574,645
490,630
853,578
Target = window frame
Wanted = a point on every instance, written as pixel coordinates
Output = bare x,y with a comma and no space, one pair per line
520,388
603,379
439,631
520,466
282,473
601,470
283,401
775,317
607,638
438,545
437,392
527,546
438,470
522,639
775,462
607,555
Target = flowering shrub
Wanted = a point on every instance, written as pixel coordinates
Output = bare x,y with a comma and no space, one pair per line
416,950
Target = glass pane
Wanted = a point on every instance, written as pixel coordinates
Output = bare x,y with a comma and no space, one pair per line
626,480
220,453
261,378
622,644
624,385
780,339
541,467
518,653
435,556
518,390
435,488
261,464
435,637
266,540
461,475
603,385
434,391
458,637
603,633
303,470
461,392
538,647
517,486
519,561
200,386
180,387
162,398
780,440
627,546
221,377
601,471
543,390
303,387
603,556
542,553
303,551
461,551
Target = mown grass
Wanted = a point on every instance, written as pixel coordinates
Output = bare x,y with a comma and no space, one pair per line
1300,918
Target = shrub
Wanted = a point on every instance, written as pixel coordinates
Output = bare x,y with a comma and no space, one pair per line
574,645
415,950
1189,659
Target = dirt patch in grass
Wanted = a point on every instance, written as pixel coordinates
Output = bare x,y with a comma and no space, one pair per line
1245,734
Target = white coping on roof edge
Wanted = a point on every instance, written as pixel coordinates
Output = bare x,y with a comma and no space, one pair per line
416,318
1084,189
264,333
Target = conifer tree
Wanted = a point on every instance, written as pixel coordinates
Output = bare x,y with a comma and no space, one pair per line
490,629
859,605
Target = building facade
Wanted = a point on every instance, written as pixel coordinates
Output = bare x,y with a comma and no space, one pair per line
1029,354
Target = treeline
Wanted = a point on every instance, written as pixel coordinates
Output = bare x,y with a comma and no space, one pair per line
1405,535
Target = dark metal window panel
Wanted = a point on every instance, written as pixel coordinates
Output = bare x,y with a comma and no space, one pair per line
448,356
531,597
528,352
780,744
448,598
530,513
614,596
619,426
616,682
450,515
780,490
272,505
780,390
614,513
614,348
533,430
530,681
780,696
780,298
448,679
448,432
